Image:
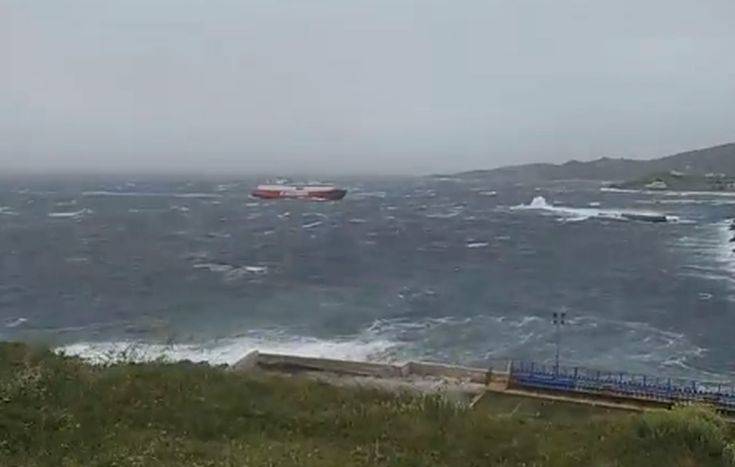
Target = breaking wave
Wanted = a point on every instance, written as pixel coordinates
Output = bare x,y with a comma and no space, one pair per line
474,341
225,351
70,214
539,203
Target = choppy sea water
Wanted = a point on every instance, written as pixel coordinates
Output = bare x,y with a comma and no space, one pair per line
416,268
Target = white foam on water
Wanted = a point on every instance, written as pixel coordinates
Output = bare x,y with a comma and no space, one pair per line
71,202
539,203
646,348
256,269
139,194
669,193
14,323
712,256
726,248
70,214
232,273
489,193
311,225
368,194
7,211
685,201
227,351
466,340
453,212
477,245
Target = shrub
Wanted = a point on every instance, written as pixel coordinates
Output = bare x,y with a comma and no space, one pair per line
728,455
699,428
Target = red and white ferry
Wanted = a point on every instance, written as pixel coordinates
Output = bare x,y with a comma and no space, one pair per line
314,192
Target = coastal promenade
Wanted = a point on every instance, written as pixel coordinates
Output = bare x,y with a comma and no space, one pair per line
612,390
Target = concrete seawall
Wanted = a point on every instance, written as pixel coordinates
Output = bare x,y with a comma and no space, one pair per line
423,377
294,364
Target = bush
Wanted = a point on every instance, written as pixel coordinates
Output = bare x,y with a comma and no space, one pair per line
699,428
728,455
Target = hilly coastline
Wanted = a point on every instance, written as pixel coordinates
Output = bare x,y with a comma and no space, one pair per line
708,169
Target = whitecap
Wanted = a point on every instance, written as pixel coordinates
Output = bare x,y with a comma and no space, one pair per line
453,212
539,203
71,202
312,224
70,214
7,211
228,350
149,194
231,273
477,244
15,322
256,269
669,193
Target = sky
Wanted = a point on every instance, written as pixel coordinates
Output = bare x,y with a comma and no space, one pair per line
363,87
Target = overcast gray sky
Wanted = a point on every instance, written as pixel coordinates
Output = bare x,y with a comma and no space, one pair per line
381,86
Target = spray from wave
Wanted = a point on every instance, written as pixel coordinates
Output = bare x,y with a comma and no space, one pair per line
569,213
226,351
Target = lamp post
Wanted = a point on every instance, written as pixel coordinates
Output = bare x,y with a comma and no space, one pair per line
559,320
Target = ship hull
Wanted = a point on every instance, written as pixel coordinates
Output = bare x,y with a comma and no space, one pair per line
305,193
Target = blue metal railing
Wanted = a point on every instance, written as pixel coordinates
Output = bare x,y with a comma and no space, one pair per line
585,380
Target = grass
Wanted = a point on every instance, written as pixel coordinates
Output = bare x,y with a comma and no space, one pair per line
57,411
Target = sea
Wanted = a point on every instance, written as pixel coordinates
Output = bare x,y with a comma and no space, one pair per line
443,269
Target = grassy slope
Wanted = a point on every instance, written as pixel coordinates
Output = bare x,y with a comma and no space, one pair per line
59,411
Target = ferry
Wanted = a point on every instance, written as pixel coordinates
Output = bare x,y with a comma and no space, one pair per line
314,192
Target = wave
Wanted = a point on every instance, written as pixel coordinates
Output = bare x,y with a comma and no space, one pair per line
232,273
713,252
475,341
668,192
685,201
14,323
539,203
452,212
368,194
311,225
6,211
70,214
226,351
150,194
